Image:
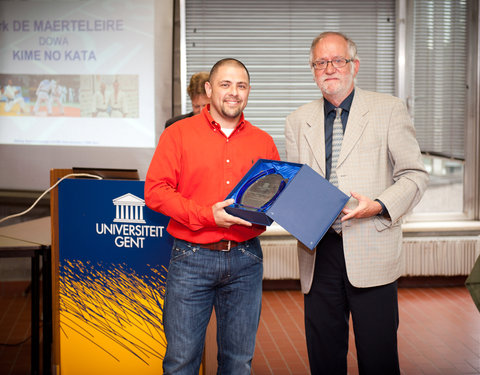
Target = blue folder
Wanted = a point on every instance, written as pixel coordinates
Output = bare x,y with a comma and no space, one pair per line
306,207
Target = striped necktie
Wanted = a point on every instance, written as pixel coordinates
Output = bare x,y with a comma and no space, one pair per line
337,138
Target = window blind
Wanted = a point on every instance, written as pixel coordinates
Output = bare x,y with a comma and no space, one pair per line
440,75
272,38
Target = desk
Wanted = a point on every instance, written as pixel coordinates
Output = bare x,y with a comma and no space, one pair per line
29,240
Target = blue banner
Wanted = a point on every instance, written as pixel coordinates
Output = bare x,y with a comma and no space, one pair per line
113,253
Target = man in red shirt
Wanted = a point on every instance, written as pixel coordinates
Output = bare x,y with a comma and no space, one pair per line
216,259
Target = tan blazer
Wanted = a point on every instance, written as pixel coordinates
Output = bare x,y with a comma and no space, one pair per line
380,158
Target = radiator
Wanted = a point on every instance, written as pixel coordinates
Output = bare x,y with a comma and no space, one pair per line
423,256
280,260
440,256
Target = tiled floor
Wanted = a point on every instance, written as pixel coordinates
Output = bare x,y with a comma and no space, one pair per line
439,333
14,329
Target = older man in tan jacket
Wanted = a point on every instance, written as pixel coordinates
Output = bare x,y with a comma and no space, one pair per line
377,160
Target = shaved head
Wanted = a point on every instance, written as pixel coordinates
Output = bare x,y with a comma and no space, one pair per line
227,61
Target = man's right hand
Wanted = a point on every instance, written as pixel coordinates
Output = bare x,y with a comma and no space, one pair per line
225,220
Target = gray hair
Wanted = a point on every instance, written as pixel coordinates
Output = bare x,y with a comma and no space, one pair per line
352,47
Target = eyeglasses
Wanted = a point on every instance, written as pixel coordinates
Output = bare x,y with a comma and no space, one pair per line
338,62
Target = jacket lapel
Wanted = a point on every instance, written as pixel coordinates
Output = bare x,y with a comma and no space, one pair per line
357,121
315,136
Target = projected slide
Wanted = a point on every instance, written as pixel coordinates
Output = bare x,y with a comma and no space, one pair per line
77,73
69,95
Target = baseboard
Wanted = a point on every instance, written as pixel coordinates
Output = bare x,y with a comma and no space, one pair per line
431,281
290,284
403,282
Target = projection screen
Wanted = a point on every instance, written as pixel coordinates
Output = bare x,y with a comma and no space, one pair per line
82,84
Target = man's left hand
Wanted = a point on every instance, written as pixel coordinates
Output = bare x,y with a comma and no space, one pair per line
366,208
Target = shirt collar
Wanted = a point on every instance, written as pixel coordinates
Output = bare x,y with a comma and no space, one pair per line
345,105
216,125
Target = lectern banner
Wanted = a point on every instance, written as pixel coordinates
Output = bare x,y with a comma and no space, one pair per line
113,258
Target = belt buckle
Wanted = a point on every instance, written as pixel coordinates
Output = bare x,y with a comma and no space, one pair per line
228,246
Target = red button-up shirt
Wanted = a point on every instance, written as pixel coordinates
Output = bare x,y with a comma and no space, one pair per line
195,166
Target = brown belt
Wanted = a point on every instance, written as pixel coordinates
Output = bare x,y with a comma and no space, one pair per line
220,245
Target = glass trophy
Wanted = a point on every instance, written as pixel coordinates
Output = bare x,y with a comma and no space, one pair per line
260,191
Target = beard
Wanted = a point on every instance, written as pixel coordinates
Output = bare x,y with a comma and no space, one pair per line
343,85
338,88
232,112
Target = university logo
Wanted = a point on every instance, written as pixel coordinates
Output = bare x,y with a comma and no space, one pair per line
129,209
129,228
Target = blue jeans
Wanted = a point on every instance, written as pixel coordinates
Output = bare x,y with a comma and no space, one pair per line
199,279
